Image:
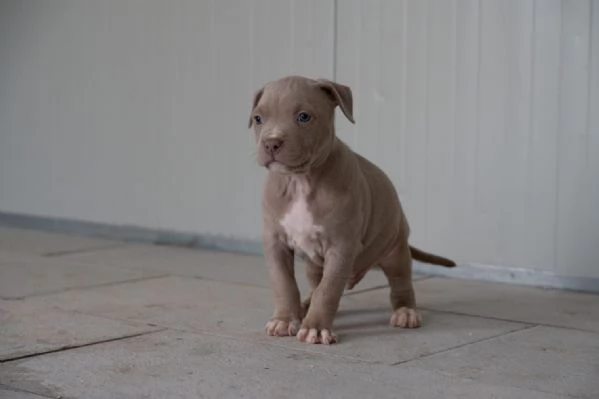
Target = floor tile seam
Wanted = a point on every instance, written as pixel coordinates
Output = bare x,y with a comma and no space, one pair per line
451,312
475,342
129,322
79,251
11,388
500,385
66,348
85,288
213,280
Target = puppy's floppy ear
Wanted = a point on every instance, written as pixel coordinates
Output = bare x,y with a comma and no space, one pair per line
340,94
257,96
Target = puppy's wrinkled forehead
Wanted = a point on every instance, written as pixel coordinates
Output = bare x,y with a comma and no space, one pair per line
298,93
293,94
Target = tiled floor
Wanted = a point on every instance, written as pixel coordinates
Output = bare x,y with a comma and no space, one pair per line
84,318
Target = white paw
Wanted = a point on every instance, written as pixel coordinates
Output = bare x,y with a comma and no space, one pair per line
405,318
282,328
316,336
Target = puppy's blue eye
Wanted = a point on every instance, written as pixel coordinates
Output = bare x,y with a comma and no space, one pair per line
258,119
303,117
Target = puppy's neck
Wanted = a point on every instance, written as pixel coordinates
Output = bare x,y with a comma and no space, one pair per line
326,158
299,185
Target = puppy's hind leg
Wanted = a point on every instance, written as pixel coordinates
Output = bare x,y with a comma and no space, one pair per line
397,267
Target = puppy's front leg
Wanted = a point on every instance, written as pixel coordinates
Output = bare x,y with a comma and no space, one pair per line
317,325
287,313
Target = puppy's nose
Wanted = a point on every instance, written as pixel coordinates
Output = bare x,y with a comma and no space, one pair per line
272,146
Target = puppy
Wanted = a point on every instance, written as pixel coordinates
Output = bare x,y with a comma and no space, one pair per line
329,205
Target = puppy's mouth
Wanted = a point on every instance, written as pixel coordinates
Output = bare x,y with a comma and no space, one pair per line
275,165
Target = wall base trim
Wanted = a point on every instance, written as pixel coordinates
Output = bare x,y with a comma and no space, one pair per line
470,271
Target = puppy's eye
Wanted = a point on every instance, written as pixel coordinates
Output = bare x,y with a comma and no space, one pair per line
258,119
303,117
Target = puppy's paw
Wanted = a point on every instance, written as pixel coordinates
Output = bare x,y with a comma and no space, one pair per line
282,328
406,318
316,336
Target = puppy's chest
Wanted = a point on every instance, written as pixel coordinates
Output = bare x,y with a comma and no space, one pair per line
303,234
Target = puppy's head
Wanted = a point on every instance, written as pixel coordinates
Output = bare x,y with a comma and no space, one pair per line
293,120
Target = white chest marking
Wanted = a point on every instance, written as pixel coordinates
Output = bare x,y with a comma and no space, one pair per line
302,233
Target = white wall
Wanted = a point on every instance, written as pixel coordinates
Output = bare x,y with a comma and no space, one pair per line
484,113
135,112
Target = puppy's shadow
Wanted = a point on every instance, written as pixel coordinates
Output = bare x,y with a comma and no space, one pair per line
345,313
368,322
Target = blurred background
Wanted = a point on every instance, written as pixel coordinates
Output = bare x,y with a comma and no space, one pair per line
128,118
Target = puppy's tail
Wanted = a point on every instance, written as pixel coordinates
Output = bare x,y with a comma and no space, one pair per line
430,258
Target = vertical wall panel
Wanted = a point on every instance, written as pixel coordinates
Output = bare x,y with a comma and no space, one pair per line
492,117
592,155
577,220
542,164
514,197
416,122
369,74
440,116
272,38
392,84
313,38
466,106
498,136
348,33
593,115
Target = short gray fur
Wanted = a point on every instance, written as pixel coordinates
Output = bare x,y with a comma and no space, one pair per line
470,271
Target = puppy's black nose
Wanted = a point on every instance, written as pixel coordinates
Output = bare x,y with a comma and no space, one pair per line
272,146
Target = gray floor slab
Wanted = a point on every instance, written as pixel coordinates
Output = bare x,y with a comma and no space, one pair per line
184,262
26,329
211,265
183,365
176,302
41,243
23,275
525,304
553,360
231,310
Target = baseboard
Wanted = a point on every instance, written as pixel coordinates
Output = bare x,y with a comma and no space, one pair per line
470,271
130,233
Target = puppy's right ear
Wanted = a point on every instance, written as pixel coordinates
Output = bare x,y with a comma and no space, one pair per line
341,96
257,97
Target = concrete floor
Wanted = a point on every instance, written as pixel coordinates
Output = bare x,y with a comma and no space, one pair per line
85,318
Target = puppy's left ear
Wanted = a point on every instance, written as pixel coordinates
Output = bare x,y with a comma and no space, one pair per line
341,96
257,97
